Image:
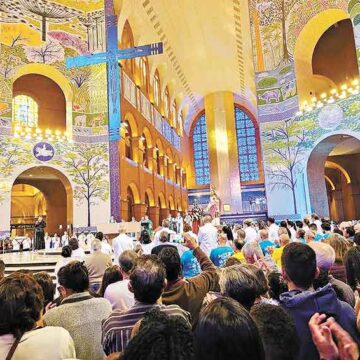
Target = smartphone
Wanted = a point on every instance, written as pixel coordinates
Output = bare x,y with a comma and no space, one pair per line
176,239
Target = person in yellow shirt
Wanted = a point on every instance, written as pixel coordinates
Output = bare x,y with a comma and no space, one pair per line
277,252
238,244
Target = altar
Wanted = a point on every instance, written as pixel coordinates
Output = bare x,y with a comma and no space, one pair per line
112,229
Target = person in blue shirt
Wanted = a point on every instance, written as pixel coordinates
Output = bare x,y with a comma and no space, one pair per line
190,265
265,242
326,230
220,254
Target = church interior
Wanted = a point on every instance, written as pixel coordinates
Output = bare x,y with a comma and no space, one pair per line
127,117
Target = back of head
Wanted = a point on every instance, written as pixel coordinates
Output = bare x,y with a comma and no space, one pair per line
74,244
148,279
251,250
241,234
340,244
187,227
325,255
227,230
171,259
74,276
240,284
284,239
47,285
326,226
163,237
271,220
127,260
207,219
96,246
99,235
299,263
66,251
239,244
350,231
111,275
277,285
145,237
165,223
264,234
277,330
261,278
247,223
352,265
21,303
220,323
160,337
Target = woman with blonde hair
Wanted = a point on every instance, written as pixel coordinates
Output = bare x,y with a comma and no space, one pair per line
341,246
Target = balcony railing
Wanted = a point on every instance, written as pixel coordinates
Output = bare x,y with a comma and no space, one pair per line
140,102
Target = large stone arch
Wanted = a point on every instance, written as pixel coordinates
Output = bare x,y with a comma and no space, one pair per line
52,73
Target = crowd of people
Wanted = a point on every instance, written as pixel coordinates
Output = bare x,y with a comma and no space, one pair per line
256,291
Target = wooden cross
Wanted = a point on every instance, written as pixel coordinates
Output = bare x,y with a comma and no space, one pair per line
111,58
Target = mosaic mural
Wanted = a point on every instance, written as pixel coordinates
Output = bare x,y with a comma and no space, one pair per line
42,33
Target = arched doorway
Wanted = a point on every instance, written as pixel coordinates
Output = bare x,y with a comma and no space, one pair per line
130,203
334,179
42,191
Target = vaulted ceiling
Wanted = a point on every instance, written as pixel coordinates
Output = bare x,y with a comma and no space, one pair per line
207,47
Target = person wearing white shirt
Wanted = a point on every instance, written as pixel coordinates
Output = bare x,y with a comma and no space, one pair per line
77,252
26,244
165,227
179,223
208,235
105,246
56,241
65,239
273,230
251,234
121,243
118,293
22,295
47,239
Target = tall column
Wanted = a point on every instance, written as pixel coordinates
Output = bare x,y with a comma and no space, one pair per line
223,154
139,211
154,213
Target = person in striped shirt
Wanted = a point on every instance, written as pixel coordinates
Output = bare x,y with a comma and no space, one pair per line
147,282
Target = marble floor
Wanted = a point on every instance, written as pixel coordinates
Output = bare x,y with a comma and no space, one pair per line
26,257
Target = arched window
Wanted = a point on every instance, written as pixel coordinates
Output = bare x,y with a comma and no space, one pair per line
128,141
180,126
144,73
247,143
201,152
145,151
166,103
127,41
156,88
157,157
25,111
174,114
130,204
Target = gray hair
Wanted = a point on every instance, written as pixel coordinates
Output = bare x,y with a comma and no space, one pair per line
325,254
252,248
96,245
240,284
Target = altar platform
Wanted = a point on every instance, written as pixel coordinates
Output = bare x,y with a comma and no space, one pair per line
32,261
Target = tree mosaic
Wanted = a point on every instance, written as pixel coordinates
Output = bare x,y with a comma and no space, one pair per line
87,165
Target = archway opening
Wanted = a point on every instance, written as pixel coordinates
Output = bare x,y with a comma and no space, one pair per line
49,99
130,203
41,191
334,179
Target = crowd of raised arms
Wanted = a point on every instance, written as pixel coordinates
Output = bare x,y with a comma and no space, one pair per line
274,291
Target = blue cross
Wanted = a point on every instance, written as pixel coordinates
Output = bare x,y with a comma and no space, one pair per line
112,57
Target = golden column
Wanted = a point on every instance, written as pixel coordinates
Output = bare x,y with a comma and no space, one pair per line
223,154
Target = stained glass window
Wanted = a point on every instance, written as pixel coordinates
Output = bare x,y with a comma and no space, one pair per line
25,111
201,153
246,134
157,88
143,72
166,103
